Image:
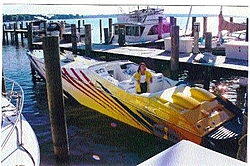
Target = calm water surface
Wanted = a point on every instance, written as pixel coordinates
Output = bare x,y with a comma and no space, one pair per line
93,137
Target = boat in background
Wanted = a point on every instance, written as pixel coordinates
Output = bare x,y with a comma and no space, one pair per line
52,28
172,110
227,32
142,25
19,145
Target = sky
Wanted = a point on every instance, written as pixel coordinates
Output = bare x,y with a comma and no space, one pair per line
46,7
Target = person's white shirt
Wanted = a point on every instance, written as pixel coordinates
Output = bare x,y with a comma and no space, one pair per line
143,78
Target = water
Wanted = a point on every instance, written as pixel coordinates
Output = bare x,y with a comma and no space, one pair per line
94,139
90,134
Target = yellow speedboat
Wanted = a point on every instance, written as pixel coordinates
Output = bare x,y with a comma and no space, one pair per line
171,110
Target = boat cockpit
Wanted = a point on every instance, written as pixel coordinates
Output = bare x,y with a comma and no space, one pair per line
121,73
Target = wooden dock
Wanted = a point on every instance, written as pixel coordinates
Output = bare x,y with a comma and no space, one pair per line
156,59
159,60
14,31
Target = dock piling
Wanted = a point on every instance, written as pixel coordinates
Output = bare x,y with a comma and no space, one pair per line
33,73
110,29
160,27
204,25
73,38
79,26
88,43
174,60
193,21
106,36
208,41
4,40
30,36
45,28
55,98
121,37
172,21
21,27
3,82
100,22
12,34
196,29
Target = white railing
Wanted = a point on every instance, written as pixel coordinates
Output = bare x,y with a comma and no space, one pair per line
13,92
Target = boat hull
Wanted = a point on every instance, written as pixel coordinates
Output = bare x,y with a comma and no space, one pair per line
135,110
23,152
19,145
169,115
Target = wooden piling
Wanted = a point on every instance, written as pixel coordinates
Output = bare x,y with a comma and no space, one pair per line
172,21
208,41
83,22
193,21
100,22
26,27
12,34
110,29
30,36
7,38
73,38
79,26
160,27
21,27
33,73
62,29
4,40
3,82
55,98
174,60
196,29
88,43
121,37
45,28
204,25
106,36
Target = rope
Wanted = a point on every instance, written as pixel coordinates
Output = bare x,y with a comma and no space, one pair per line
240,154
241,139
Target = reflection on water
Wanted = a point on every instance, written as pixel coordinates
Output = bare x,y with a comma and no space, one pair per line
94,139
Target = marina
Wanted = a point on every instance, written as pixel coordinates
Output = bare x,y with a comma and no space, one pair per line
81,124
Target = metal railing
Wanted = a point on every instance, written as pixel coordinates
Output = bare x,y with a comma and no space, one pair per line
13,92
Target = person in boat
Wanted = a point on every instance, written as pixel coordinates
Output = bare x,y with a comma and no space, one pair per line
143,78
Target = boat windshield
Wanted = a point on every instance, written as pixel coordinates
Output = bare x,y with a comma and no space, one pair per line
132,30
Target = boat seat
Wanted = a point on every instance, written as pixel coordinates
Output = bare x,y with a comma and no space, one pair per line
157,83
118,74
128,85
